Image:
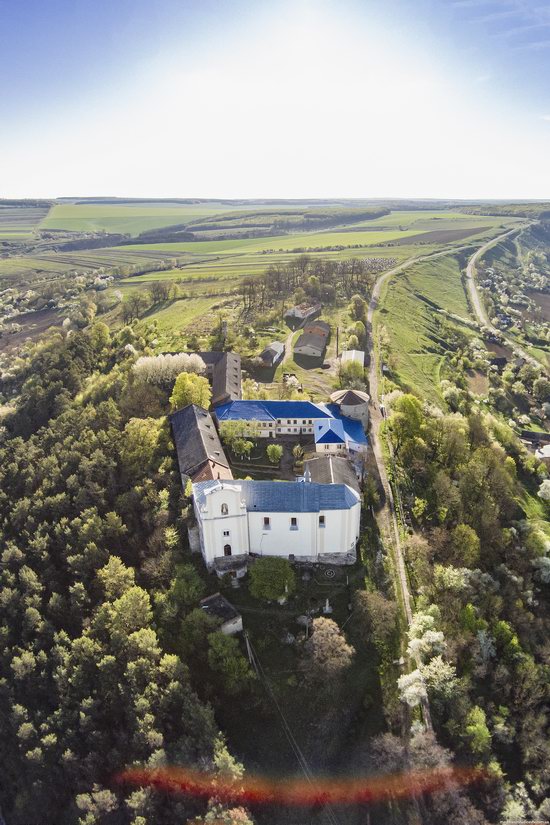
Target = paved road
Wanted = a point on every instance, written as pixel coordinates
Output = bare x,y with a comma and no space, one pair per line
477,303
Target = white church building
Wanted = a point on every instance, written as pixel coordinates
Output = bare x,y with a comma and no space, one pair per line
299,520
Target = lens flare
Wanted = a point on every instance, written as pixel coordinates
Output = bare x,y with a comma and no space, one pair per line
299,792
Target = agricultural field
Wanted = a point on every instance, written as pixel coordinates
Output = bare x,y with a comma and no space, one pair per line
131,220
206,274
19,223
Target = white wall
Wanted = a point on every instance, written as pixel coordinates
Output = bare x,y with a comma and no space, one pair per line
248,534
337,536
331,449
213,524
359,412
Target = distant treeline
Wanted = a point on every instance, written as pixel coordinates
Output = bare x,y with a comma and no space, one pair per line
31,202
540,211
290,220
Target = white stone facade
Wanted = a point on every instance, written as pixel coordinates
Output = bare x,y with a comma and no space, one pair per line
234,521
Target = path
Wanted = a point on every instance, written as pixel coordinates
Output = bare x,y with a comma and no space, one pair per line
387,515
477,303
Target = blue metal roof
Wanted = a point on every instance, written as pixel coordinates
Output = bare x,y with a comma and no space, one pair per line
353,429
329,431
286,496
271,410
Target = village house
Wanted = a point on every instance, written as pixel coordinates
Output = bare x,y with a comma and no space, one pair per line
302,312
201,456
298,520
313,341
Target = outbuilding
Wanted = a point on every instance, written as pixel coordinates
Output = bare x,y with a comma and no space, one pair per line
273,354
220,608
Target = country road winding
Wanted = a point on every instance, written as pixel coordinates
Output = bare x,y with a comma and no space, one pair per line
387,515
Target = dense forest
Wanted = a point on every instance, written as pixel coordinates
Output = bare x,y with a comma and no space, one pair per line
93,591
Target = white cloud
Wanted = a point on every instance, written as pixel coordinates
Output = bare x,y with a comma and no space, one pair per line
310,104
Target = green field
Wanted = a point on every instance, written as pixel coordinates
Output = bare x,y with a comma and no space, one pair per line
120,219
207,272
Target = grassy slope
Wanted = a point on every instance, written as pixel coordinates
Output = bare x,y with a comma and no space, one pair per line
412,325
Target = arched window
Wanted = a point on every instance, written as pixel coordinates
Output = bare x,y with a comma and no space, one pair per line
225,509
227,549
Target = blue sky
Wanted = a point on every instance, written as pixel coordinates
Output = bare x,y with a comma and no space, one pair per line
281,98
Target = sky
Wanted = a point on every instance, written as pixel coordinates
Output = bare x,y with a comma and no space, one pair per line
275,98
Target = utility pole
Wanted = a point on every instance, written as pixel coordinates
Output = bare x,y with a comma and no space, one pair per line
249,652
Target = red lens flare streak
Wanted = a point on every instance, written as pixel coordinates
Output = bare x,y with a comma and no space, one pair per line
299,792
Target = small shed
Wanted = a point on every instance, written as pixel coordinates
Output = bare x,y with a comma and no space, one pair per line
222,609
353,355
273,354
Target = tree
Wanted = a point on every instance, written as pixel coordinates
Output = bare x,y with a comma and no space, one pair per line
140,443
440,678
376,616
115,578
464,545
226,660
424,640
272,578
351,375
412,688
353,342
232,431
477,733
242,448
358,308
190,389
274,453
327,655
544,490
541,389
298,452
164,369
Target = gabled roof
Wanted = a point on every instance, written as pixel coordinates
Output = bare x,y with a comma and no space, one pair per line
226,378
332,469
353,429
285,496
318,327
218,606
310,339
275,348
199,449
350,398
354,355
271,410
329,431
